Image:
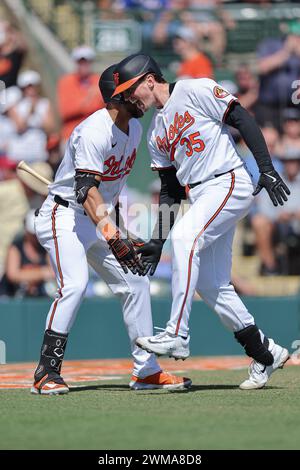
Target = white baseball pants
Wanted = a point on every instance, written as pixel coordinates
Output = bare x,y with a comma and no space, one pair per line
202,251
72,243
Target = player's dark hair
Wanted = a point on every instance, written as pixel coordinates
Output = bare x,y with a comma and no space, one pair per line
160,79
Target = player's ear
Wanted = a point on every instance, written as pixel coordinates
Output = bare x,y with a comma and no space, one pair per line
150,81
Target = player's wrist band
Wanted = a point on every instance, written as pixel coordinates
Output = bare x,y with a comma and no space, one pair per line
108,229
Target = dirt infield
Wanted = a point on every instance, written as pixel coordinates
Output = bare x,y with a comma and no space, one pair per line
14,376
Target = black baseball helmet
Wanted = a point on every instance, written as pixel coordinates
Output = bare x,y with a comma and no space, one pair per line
107,86
131,69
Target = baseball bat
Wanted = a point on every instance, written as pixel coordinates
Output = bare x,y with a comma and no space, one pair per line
23,166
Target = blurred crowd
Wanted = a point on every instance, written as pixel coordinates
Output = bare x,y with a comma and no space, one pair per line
30,131
206,21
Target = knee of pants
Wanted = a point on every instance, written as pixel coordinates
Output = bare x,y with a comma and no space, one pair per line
213,289
182,239
133,285
75,288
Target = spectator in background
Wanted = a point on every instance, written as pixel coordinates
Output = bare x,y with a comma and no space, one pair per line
112,10
27,266
55,153
7,169
152,15
194,63
282,222
247,88
8,130
145,4
13,206
12,51
35,190
17,196
78,93
34,119
278,67
290,141
208,20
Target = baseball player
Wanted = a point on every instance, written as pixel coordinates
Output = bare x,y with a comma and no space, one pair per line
99,156
190,146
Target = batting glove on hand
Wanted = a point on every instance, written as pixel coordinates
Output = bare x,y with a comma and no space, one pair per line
151,253
136,241
124,252
274,184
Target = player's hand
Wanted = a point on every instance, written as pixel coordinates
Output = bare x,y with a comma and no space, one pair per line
136,241
124,251
151,253
274,184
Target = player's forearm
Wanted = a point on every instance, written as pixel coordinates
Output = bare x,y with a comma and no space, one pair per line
171,195
122,248
49,122
273,62
95,208
239,118
34,274
167,213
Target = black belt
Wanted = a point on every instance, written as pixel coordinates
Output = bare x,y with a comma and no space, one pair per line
59,200
192,185
62,202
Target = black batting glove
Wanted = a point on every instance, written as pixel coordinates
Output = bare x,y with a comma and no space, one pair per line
274,184
151,253
124,251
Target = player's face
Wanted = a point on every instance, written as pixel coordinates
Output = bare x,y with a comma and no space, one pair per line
134,110
141,94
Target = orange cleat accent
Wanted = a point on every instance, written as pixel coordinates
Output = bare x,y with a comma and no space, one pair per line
42,387
160,380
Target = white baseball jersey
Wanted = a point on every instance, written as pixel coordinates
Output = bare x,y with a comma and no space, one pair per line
98,146
189,132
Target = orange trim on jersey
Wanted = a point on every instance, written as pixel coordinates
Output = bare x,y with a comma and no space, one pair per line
194,246
58,266
228,108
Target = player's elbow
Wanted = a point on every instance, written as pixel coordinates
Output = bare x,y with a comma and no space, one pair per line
83,183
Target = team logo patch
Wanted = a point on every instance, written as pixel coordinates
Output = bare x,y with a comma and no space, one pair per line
116,78
220,92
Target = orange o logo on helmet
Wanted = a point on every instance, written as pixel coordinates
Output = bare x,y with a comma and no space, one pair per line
220,92
116,78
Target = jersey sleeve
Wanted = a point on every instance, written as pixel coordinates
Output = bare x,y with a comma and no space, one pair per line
213,100
89,152
158,158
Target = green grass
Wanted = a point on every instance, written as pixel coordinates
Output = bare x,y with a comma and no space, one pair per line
215,414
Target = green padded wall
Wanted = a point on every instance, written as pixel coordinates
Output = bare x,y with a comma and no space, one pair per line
99,331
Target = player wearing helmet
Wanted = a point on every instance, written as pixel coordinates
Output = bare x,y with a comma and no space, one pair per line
76,226
190,146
